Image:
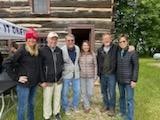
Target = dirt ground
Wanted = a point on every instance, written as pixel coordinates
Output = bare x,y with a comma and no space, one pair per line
95,113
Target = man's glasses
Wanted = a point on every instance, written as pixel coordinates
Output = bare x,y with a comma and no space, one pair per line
70,40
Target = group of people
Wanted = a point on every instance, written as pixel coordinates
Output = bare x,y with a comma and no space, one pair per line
57,70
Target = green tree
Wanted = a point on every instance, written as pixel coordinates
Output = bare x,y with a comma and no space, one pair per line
141,21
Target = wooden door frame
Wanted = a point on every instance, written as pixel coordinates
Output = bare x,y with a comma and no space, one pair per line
85,26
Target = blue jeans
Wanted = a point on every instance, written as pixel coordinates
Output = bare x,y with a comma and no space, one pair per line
26,96
65,93
126,101
108,90
87,86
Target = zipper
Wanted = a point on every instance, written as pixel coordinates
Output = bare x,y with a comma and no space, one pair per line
55,61
46,71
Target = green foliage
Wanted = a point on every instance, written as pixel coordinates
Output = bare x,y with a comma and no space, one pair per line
141,21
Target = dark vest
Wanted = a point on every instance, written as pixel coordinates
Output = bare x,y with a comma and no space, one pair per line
106,65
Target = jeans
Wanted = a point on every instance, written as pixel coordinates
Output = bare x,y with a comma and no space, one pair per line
126,101
26,96
65,93
108,90
87,91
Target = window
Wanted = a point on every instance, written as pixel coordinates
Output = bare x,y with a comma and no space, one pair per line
40,6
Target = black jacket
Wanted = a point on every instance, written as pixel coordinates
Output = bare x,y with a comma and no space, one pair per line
127,67
113,59
23,64
1,60
52,63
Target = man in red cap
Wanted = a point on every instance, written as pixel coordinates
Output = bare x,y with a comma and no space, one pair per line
25,68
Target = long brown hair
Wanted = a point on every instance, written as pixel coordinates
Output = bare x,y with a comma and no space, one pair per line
86,41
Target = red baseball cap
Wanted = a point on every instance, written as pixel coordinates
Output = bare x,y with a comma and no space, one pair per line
31,33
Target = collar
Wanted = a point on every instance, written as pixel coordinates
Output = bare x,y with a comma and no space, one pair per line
71,49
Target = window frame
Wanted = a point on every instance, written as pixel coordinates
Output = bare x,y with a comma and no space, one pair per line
32,7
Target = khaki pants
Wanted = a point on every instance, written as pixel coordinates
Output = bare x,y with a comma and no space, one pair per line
53,91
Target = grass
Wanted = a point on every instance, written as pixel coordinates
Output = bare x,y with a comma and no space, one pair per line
147,91
147,97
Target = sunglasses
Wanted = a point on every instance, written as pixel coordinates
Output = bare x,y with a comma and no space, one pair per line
122,42
53,38
70,40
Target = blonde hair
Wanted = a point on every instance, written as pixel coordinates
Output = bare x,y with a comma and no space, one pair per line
32,50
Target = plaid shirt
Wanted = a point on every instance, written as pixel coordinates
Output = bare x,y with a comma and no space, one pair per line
88,66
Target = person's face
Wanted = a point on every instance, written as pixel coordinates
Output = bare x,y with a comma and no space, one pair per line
106,40
52,41
31,42
85,47
70,42
123,43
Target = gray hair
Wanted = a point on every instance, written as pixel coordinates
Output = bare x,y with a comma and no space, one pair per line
70,35
107,33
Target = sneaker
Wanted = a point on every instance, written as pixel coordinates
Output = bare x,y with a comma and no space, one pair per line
111,113
87,110
58,117
47,119
67,113
104,109
76,110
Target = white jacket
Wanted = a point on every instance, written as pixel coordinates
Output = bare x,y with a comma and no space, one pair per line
71,70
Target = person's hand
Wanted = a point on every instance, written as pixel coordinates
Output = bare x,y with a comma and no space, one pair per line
44,84
60,81
133,84
131,48
23,79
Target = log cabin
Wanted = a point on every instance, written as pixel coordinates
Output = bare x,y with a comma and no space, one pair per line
86,19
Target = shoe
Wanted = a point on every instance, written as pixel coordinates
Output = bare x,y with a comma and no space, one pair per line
76,110
111,113
87,110
67,113
104,109
47,119
58,117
